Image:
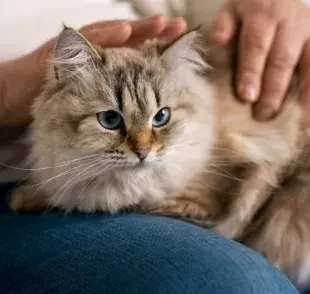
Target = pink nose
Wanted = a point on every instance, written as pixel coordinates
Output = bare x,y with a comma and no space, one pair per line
142,153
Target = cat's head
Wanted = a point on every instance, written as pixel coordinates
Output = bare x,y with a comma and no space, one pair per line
134,108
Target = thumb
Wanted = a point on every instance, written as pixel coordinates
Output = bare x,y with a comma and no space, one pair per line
224,26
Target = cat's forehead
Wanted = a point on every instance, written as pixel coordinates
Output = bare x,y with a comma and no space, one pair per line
133,76
137,88
127,58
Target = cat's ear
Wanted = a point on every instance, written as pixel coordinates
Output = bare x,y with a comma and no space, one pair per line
185,51
74,56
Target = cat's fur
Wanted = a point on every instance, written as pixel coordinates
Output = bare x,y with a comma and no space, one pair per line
211,163
281,228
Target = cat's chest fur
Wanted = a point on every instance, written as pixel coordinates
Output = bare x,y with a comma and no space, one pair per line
110,191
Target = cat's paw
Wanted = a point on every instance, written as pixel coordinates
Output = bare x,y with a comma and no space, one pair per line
24,199
17,199
182,208
228,229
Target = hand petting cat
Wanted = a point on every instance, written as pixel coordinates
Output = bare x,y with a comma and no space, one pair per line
21,79
274,39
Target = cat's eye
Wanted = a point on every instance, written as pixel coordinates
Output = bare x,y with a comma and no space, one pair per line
110,119
161,118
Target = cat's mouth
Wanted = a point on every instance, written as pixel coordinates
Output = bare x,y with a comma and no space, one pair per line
136,164
141,164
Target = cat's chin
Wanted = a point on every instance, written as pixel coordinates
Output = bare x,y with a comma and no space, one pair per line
134,165
140,165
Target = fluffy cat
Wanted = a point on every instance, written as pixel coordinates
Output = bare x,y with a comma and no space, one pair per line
280,230
160,128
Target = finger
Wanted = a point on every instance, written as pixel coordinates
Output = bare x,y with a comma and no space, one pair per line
174,28
256,38
146,30
224,26
304,67
149,27
281,63
152,24
109,36
102,24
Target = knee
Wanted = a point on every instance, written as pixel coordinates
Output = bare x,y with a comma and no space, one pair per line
134,254
181,258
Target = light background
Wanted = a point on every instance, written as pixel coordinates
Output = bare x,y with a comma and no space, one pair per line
26,24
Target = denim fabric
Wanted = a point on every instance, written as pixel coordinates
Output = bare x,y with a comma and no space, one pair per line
57,253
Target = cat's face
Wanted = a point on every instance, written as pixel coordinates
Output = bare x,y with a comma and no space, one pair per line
135,109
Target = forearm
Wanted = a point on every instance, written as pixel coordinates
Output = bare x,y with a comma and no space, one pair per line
20,81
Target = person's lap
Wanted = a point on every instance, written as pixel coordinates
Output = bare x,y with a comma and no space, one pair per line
57,253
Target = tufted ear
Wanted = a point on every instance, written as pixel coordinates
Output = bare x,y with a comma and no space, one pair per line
185,51
74,56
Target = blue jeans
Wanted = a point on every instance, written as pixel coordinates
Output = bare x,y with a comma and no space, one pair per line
57,253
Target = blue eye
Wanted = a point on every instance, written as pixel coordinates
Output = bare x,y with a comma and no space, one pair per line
162,117
111,120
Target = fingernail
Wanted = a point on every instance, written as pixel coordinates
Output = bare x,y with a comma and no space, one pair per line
248,92
264,113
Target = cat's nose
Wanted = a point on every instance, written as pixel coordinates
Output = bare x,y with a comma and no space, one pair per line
142,153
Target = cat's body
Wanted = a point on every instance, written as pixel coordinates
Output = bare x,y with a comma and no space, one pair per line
161,129
131,181
280,230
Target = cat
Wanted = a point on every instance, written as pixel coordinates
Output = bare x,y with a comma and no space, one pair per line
280,229
159,129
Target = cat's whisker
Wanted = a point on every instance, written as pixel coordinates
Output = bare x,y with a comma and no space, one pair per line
46,181
204,168
67,185
220,168
83,177
74,169
50,166
90,180
71,182
42,184
30,174
19,182
182,144
227,150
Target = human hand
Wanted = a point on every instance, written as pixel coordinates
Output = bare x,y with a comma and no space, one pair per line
126,33
21,80
274,39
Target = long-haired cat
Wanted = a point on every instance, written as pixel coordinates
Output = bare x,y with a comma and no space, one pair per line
280,230
159,128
